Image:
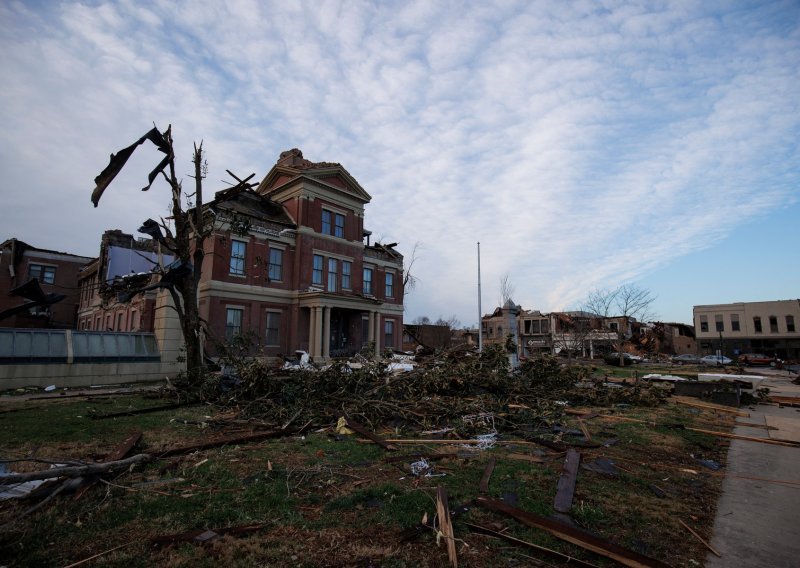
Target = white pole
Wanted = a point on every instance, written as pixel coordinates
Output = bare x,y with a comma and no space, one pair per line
480,311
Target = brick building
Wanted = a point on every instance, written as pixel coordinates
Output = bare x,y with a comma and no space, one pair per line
290,262
770,328
123,259
57,272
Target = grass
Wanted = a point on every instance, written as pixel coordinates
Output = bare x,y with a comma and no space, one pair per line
331,500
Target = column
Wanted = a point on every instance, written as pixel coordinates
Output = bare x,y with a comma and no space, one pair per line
326,333
377,333
317,332
312,321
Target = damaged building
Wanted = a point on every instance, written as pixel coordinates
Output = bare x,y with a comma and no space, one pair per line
57,275
291,264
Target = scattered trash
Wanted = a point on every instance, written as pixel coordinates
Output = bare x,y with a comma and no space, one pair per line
51,388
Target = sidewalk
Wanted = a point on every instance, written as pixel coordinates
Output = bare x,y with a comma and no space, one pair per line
757,522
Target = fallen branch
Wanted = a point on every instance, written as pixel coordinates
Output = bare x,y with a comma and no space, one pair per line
224,442
353,425
144,410
575,536
445,525
85,560
698,537
553,553
75,471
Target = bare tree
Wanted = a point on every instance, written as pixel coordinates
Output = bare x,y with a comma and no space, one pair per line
409,280
182,279
507,289
625,302
452,322
421,320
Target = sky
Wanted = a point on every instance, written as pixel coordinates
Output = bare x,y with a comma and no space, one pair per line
584,144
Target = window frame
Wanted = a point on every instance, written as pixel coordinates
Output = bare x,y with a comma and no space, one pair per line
273,332
42,271
757,327
317,272
338,228
275,269
790,327
773,324
236,266
327,226
719,323
388,333
735,325
233,310
366,283
333,274
347,270
703,323
388,287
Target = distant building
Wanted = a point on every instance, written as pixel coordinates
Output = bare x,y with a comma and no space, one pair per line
57,272
427,336
123,262
769,328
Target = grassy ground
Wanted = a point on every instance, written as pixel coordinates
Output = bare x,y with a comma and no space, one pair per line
328,500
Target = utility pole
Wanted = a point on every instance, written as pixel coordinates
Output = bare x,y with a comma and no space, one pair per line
480,311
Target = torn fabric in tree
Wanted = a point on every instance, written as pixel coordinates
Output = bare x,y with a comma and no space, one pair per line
118,161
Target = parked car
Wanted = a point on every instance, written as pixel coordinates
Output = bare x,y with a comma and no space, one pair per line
716,360
756,359
686,359
613,359
633,357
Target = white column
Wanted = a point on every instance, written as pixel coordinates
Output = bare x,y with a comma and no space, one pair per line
326,333
377,338
317,332
312,327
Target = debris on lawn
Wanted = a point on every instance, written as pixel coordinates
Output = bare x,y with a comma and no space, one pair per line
566,482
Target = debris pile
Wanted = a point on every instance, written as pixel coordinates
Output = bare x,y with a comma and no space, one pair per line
469,392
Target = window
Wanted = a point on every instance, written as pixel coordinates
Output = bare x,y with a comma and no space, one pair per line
326,222
790,324
368,281
389,285
316,275
773,324
233,322
720,325
46,274
134,323
273,328
346,269
275,264
333,270
388,333
735,322
238,249
614,326
704,323
120,321
338,230
757,324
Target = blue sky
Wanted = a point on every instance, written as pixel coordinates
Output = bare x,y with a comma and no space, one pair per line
585,144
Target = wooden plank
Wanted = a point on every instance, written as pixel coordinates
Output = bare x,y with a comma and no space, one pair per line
748,438
529,458
698,537
252,437
566,483
353,425
445,525
785,400
571,561
575,536
487,474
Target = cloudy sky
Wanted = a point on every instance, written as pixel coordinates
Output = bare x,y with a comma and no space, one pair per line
584,144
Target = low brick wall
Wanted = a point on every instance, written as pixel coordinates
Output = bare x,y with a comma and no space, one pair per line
84,374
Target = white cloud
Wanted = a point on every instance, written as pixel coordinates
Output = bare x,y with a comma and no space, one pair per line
581,144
